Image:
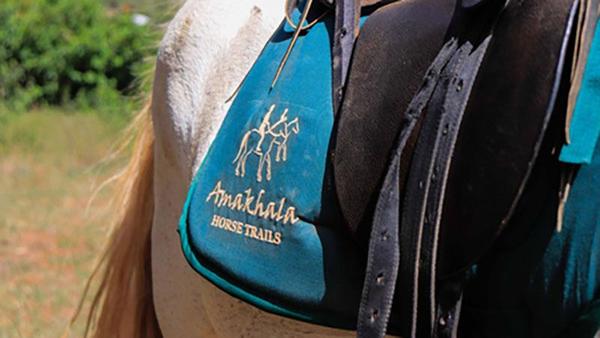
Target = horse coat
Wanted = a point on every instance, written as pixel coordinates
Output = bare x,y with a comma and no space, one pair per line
189,104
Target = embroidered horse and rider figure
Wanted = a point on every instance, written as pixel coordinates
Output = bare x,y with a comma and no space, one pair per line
263,140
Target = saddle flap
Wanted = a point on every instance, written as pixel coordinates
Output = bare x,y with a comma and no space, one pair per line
386,71
500,134
503,128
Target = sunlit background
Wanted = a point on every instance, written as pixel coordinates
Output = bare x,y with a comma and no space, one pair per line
72,74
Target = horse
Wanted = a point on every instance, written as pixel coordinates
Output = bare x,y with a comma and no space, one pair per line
146,287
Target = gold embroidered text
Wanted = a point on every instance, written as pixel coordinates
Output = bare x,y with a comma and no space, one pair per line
253,204
247,230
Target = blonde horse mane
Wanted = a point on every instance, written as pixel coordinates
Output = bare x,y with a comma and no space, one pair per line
122,303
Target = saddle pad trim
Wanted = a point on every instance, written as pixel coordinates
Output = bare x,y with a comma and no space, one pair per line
585,126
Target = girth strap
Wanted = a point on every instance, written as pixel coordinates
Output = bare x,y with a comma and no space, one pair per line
426,188
347,14
384,243
410,250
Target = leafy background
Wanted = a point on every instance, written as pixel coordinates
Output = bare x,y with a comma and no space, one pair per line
70,52
72,73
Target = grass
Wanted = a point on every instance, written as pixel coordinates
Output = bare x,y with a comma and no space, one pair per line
50,164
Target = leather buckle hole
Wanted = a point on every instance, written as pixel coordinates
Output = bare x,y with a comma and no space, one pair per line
380,279
459,85
343,32
445,130
445,319
374,315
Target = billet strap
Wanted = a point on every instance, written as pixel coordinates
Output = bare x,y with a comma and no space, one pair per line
426,187
384,243
448,308
362,3
347,14
445,92
473,3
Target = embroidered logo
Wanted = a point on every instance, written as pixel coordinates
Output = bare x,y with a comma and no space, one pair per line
262,141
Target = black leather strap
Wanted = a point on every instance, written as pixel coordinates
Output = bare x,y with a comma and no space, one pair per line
429,173
418,234
445,92
363,3
448,308
347,14
384,248
472,3
426,189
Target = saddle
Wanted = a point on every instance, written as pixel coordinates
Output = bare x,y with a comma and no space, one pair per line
467,150
426,129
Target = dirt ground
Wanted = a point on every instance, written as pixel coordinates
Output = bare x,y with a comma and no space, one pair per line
50,229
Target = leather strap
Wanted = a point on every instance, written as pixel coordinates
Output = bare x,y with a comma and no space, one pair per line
347,14
472,3
448,308
384,248
363,3
429,173
445,92
418,234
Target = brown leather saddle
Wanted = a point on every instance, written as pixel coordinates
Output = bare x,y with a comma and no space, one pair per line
446,135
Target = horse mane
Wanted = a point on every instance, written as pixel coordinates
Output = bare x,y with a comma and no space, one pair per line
122,304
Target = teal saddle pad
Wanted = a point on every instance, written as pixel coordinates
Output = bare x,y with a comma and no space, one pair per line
260,220
549,281
585,126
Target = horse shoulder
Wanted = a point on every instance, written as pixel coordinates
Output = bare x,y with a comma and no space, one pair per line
206,51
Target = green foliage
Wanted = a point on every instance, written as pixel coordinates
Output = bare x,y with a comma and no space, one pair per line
74,52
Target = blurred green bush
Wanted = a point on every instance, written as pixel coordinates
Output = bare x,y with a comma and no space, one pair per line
70,52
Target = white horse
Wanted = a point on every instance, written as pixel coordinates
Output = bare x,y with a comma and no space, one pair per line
147,289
